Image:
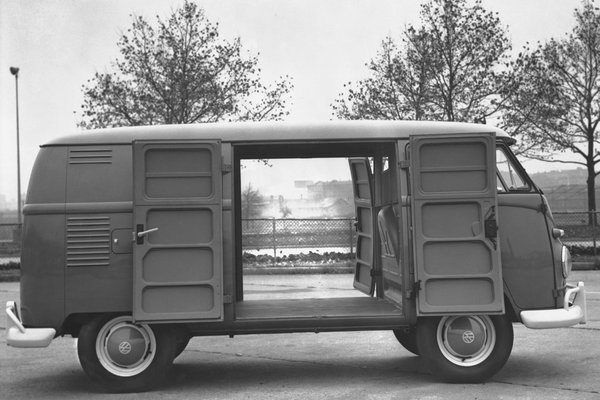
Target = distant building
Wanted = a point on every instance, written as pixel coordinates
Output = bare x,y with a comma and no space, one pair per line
302,184
332,189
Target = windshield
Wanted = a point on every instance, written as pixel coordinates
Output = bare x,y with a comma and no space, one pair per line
509,177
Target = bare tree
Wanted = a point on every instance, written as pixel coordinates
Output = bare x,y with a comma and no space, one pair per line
451,67
554,102
179,72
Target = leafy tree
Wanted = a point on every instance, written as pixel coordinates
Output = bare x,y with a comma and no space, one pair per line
554,102
448,68
179,72
397,89
283,208
252,201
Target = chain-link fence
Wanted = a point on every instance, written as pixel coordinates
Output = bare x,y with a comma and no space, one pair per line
582,233
298,234
10,243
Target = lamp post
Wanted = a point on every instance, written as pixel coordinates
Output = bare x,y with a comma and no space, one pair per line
15,72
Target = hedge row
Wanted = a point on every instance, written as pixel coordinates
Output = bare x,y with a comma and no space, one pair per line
302,258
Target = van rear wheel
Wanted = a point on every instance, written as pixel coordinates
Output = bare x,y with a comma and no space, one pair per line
465,348
124,356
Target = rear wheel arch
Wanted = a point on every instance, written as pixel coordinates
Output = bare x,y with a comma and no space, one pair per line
74,322
126,356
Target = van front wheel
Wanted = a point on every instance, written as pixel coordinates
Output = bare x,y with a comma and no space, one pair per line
124,356
466,348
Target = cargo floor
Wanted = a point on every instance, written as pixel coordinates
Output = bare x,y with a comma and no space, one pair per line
316,308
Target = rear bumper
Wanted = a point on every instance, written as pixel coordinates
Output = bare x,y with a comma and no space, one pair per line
574,311
19,336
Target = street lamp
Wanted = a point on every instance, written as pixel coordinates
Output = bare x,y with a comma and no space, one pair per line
15,72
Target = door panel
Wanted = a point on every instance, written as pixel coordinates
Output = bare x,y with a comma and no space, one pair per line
454,219
178,266
362,183
526,250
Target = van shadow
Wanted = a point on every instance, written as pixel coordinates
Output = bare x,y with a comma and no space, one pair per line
247,372
536,369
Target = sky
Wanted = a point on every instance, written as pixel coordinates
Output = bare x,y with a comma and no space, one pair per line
322,44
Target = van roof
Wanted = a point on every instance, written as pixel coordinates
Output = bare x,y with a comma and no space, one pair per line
255,132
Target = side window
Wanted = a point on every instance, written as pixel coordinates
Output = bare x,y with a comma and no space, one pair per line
509,179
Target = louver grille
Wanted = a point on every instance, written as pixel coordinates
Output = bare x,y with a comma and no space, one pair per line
88,241
90,156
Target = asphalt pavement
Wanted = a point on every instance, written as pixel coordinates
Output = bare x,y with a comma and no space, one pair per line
545,364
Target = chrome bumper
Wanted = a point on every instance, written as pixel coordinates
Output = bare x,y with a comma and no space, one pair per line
574,311
19,336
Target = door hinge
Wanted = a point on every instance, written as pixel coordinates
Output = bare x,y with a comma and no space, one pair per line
417,286
227,299
405,201
404,164
375,272
412,293
226,168
544,208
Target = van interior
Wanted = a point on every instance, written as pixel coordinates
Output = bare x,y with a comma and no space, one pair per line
374,287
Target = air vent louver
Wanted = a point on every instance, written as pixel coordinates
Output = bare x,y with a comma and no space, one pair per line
88,241
90,156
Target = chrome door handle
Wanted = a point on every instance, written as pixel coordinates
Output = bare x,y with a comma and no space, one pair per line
146,232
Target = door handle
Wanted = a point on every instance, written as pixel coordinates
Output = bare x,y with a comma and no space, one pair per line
139,234
146,232
491,227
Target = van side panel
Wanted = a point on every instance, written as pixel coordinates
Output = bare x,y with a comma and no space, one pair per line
98,231
106,287
42,255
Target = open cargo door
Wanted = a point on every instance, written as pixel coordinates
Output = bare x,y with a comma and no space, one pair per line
177,272
362,184
457,262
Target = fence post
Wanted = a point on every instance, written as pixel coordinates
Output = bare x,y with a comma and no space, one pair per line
274,243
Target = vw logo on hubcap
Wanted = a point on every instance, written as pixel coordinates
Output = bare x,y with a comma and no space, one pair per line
468,337
124,347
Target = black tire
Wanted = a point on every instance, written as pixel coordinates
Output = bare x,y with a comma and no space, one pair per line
182,343
408,339
467,348
125,357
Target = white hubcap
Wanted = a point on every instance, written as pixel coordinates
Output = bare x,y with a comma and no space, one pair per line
466,340
124,348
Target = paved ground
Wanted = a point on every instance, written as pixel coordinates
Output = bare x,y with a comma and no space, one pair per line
548,364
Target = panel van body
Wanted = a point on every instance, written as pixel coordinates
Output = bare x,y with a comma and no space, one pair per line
137,232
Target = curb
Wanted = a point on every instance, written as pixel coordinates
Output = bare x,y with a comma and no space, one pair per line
298,270
10,275
584,266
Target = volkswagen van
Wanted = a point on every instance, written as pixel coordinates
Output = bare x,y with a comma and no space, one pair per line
132,243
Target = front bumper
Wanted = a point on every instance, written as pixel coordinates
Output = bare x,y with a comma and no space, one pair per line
574,311
19,336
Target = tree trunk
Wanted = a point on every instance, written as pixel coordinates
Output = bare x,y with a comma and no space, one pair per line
591,191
